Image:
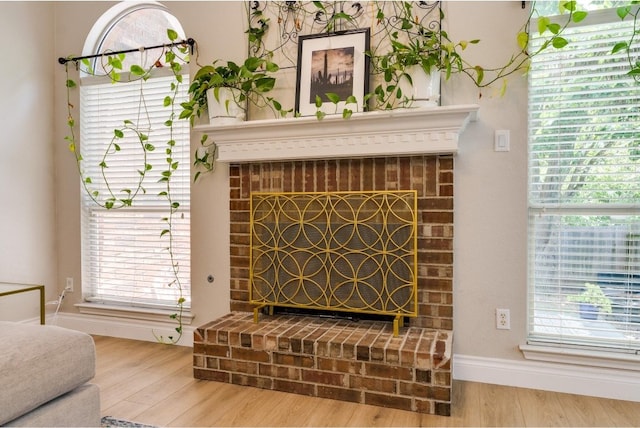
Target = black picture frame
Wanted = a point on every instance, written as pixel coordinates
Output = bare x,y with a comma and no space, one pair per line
332,62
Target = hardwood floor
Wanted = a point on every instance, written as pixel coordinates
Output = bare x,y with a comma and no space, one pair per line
153,384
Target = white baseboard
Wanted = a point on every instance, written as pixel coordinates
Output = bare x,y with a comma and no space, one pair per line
120,327
567,378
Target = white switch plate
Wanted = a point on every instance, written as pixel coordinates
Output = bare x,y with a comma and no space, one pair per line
501,142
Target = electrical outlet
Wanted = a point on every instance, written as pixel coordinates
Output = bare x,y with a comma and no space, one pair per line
503,319
69,286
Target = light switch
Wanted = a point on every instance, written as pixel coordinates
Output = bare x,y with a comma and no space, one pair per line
501,143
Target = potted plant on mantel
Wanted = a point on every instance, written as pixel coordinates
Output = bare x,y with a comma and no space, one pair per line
410,60
591,301
224,90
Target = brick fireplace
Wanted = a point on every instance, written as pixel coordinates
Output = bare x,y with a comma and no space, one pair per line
335,358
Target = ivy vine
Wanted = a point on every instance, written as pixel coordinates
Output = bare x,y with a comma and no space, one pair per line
111,197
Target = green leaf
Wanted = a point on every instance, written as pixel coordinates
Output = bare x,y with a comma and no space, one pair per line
164,232
619,47
318,101
346,113
116,147
480,72
71,83
559,42
579,16
570,5
333,97
543,22
167,101
272,67
118,133
554,28
523,40
137,70
623,11
172,35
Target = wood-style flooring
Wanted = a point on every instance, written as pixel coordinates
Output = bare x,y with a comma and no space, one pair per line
152,383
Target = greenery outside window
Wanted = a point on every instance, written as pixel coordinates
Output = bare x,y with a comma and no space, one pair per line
584,191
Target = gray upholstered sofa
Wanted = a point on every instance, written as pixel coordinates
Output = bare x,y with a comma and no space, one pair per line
44,374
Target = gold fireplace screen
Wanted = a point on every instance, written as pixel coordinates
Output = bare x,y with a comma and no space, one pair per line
337,251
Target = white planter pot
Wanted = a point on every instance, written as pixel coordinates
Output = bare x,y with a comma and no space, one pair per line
425,91
224,109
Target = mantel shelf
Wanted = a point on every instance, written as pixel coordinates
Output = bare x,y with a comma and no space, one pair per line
433,130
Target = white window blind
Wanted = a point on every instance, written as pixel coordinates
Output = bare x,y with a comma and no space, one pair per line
125,258
584,190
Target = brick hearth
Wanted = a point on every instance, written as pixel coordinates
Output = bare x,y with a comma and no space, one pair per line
359,362
350,361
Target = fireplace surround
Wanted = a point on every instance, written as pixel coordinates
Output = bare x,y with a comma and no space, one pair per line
361,361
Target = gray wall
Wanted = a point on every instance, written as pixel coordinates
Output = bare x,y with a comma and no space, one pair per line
27,192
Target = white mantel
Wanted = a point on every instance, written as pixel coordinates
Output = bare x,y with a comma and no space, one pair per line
433,130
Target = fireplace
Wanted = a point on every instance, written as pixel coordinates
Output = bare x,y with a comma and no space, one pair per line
431,177
361,361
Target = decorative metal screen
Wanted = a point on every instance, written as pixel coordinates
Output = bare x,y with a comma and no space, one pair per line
337,251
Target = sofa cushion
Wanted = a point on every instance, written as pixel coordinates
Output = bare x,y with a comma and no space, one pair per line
39,363
78,408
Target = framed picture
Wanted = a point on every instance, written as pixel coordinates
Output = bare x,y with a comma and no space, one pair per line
332,63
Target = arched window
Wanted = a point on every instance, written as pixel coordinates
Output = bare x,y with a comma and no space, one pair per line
125,260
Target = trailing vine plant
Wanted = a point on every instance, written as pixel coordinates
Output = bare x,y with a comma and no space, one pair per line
101,190
404,33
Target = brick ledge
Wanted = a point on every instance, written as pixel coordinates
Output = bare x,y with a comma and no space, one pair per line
351,361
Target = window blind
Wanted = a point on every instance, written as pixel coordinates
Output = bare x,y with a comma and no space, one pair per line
125,258
584,190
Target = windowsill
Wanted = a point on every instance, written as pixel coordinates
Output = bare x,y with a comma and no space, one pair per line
594,358
146,314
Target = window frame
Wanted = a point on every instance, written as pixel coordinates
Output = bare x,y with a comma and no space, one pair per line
150,310
545,347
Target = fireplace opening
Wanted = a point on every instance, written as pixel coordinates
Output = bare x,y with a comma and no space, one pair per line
342,254
337,315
